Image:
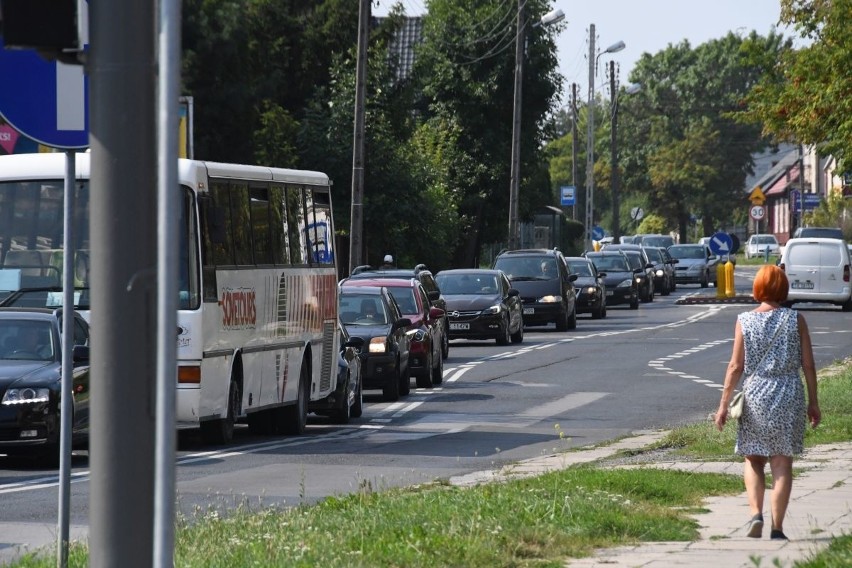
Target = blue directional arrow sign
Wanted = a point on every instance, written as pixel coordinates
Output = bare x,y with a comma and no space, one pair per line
721,244
598,233
44,100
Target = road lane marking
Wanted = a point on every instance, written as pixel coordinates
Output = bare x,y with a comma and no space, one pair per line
569,402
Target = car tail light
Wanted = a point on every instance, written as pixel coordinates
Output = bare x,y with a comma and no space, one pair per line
189,375
846,273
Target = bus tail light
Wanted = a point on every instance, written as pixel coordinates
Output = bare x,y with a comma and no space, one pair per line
846,273
189,375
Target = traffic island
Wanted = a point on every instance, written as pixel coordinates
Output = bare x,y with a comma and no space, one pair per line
741,299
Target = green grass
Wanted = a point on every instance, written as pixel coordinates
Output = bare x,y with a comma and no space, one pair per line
538,521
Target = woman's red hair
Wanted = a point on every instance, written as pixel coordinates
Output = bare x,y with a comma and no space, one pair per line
770,284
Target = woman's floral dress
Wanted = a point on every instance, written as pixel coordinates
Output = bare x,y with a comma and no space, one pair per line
773,420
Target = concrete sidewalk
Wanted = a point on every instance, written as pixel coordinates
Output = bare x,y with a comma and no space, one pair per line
820,509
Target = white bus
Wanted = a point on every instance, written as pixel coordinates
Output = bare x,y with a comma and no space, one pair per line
258,335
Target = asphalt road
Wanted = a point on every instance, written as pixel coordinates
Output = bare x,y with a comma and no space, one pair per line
652,368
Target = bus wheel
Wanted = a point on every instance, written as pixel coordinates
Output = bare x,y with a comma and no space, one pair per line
341,415
296,415
358,406
221,431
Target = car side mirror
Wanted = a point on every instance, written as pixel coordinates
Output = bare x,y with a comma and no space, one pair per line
514,292
434,295
400,323
355,342
436,313
649,265
674,261
601,274
638,270
573,277
80,354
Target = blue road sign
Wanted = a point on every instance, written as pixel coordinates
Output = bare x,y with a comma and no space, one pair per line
811,200
568,195
598,233
721,244
45,100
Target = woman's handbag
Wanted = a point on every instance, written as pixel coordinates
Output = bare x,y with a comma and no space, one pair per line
735,407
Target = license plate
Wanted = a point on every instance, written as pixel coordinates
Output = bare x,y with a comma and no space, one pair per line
459,326
529,311
610,292
802,285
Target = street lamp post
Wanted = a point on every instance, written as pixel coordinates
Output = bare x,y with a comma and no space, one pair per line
590,133
515,176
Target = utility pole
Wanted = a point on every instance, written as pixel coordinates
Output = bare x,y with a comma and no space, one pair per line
590,142
515,176
357,212
574,147
616,228
123,94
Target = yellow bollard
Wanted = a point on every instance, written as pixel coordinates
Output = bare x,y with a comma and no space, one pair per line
729,279
596,245
720,280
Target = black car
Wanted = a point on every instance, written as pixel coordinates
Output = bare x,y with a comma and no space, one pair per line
545,284
664,269
620,279
591,288
31,381
346,401
372,315
481,304
639,259
423,275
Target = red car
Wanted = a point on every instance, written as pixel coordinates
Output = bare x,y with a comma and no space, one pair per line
426,332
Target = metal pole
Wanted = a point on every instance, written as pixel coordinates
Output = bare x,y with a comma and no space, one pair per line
357,211
515,177
124,264
66,405
574,146
168,201
616,228
590,142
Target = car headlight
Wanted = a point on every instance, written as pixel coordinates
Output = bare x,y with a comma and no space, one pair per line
496,309
659,273
625,283
417,334
26,395
378,345
591,290
548,299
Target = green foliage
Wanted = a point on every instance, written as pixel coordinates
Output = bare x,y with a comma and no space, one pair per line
653,224
806,97
833,211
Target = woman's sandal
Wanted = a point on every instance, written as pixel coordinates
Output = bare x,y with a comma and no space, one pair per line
755,526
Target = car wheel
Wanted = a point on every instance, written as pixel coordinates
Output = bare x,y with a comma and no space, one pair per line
295,418
342,414
598,311
390,391
518,336
634,303
603,311
445,341
358,404
847,305
705,280
405,382
674,285
221,431
562,321
666,290
438,372
572,319
424,378
503,337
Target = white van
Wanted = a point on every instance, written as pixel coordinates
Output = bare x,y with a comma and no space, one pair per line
818,270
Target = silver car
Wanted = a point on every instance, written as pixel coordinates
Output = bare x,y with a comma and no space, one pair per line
696,264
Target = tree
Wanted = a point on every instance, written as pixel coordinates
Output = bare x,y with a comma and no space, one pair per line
465,73
807,96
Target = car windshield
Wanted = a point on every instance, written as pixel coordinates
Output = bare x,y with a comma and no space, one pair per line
611,263
362,309
519,268
654,255
824,232
696,252
580,268
467,284
635,259
657,241
405,299
26,339
765,240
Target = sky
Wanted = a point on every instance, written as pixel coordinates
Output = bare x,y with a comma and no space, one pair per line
645,26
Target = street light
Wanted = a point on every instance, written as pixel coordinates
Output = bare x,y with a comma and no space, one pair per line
551,17
631,89
590,132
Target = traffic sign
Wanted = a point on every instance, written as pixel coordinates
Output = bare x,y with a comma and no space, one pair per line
568,195
795,200
45,100
757,212
756,196
598,233
721,244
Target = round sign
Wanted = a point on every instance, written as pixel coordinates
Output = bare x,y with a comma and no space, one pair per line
598,233
758,212
636,213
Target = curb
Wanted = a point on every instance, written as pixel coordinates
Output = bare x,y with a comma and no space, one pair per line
713,300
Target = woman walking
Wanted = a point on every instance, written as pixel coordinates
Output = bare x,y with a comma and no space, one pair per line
771,344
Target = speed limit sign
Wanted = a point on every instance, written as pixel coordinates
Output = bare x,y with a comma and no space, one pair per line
758,212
